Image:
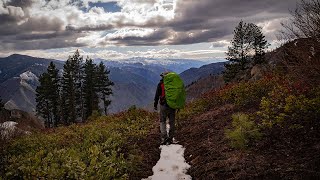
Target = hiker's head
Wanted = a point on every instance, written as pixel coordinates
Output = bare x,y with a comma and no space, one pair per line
164,73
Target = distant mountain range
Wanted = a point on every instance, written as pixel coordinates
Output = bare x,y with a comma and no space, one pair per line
135,79
193,74
176,65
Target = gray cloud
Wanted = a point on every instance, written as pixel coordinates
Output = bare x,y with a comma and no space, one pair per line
152,39
20,3
45,41
194,22
213,20
220,17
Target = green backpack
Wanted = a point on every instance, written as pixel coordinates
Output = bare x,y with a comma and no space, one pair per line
174,89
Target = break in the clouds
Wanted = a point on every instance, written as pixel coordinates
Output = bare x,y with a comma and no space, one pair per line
39,26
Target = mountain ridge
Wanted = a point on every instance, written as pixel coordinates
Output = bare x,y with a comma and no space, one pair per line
135,82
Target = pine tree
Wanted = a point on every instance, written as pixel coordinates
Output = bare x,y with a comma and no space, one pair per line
90,94
248,46
43,104
104,85
1,105
54,93
77,61
72,103
260,45
47,96
68,106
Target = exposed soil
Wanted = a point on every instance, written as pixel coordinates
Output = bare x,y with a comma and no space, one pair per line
149,147
284,155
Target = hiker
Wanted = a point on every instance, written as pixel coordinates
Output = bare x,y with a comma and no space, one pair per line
175,99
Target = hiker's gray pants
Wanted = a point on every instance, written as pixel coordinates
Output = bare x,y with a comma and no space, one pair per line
166,111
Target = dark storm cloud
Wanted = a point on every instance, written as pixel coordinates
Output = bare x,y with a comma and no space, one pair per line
150,40
38,24
212,20
21,31
221,16
195,21
37,41
20,3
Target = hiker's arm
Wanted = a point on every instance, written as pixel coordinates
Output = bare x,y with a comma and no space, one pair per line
156,97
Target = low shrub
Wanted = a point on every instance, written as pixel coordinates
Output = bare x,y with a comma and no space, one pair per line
248,93
289,107
96,150
244,130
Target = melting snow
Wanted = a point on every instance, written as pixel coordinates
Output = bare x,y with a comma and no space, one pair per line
312,51
28,76
171,165
7,128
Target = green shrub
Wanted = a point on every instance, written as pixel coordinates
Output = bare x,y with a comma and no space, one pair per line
96,150
286,108
196,107
241,95
95,115
248,93
244,130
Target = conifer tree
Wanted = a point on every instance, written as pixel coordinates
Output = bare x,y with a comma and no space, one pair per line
68,106
77,61
47,96
43,103
72,104
1,105
90,90
247,48
54,93
104,86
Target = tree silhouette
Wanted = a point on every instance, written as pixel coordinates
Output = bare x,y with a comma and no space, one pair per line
104,85
247,48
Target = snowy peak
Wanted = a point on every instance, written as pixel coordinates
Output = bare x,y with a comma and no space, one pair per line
29,79
28,76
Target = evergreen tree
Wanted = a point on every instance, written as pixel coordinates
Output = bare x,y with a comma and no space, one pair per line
77,61
47,96
72,104
54,93
68,106
260,45
248,46
43,104
103,85
1,105
90,94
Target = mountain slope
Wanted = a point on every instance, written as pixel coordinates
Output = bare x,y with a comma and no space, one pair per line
203,85
266,128
19,92
193,74
135,81
16,64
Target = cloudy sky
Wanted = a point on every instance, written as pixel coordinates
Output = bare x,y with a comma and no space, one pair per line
118,29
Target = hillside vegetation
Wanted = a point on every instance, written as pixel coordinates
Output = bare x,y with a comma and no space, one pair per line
105,148
264,129
258,129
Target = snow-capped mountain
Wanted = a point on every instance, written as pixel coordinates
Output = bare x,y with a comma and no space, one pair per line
135,79
19,92
176,65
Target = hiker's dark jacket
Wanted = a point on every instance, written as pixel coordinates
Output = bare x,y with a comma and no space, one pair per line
160,94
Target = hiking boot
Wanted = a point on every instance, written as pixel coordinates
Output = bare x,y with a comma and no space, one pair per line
163,141
169,141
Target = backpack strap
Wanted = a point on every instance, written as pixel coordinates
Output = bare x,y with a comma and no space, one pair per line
163,94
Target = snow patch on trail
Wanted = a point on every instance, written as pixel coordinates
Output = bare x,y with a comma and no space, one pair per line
171,165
